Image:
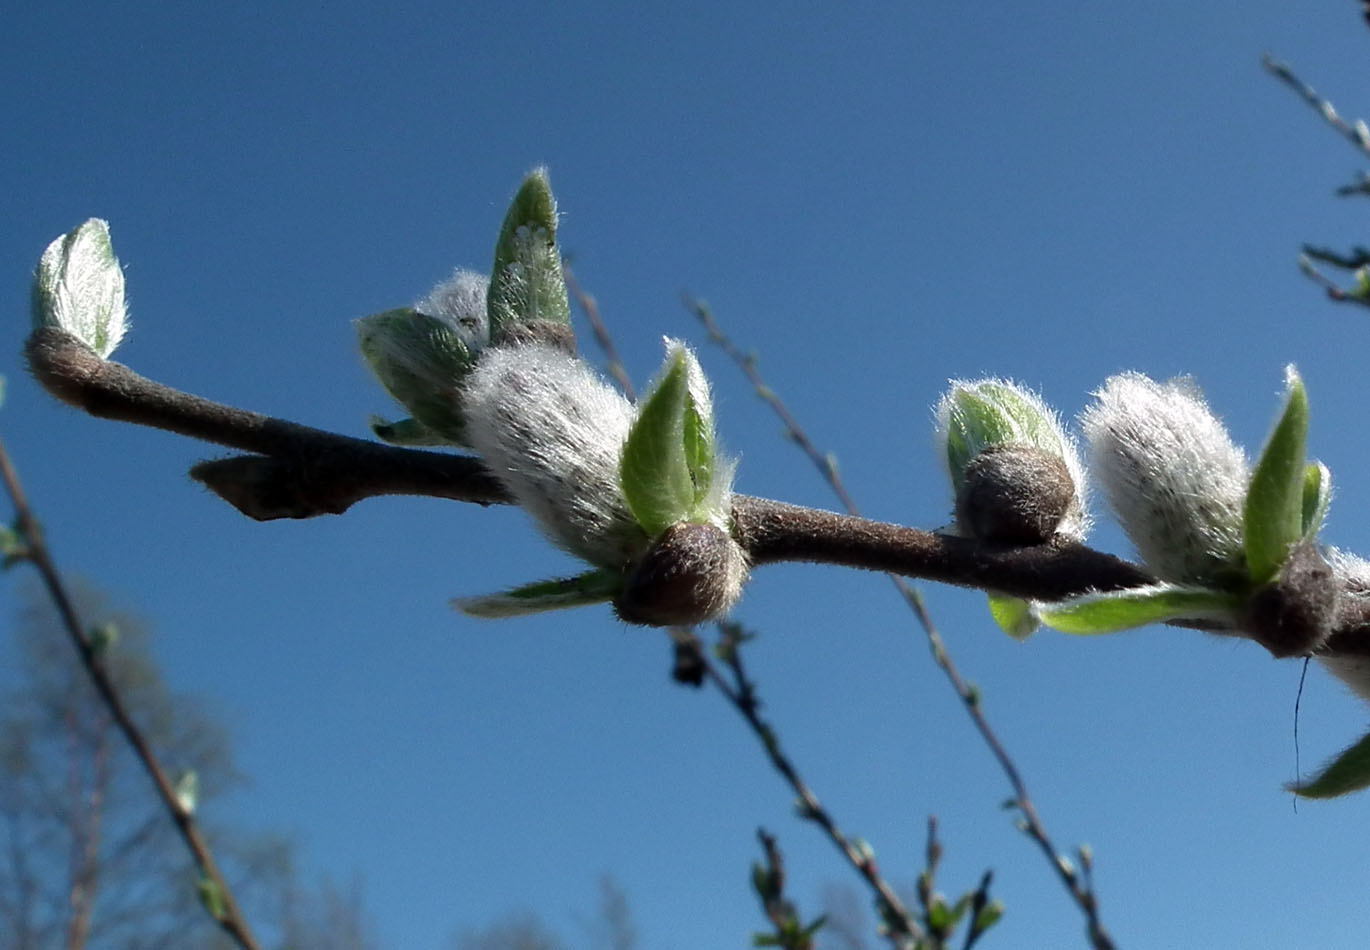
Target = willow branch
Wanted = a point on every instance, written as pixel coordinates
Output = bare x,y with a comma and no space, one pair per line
299,472
228,915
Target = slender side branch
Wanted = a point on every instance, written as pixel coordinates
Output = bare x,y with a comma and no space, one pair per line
741,693
229,917
966,555
1358,134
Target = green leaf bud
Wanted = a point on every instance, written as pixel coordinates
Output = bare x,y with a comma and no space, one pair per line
1274,510
79,288
1015,471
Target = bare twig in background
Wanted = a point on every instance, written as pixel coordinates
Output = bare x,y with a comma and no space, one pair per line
1357,133
590,307
216,894
741,693
1079,887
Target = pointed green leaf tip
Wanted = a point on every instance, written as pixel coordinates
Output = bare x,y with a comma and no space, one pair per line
1348,772
526,283
421,361
1274,514
592,587
654,471
1126,609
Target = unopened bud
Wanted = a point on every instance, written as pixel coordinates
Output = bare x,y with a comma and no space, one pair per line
691,574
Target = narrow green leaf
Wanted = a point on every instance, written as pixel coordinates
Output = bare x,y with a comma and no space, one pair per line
407,432
1317,497
653,472
1137,607
592,587
1348,772
526,282
1013,615
1275,497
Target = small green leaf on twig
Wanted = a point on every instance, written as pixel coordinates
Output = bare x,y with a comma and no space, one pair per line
212,897
1275,503
1348,772
1137,607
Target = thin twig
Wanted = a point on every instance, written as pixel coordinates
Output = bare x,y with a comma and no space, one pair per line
229,918
590,307
741,693
1357,133
970,697
1334,290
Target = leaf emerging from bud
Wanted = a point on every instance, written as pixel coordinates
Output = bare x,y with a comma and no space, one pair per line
526,284
671,470
79,288
993,433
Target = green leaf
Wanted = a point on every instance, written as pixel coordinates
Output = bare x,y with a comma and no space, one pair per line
212,897
1013,615
1275,497
698,442
1137,607
406,432
989,915
422,362
526,282
654,473
592,587
1317,497
1348,772
987,413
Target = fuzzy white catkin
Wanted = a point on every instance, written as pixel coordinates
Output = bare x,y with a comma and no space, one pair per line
1171,474
1352,576
459,302
552,431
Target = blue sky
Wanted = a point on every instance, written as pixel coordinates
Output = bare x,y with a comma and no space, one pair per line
874,198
